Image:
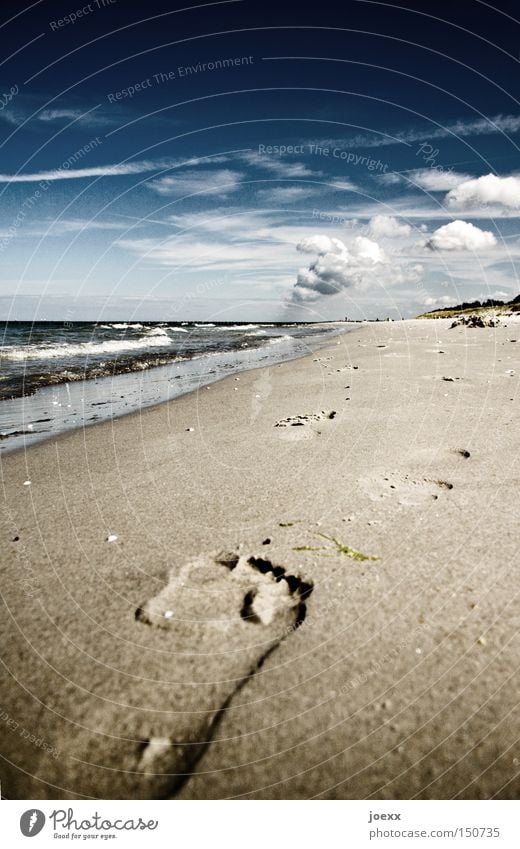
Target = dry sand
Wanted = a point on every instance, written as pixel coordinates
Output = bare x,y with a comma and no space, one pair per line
298,670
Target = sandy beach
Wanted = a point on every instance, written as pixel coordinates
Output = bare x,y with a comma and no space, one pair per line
295,584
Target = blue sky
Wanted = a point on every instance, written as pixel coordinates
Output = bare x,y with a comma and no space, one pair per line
251,160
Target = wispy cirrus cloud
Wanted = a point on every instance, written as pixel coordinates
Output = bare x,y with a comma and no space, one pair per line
285,194
31,116
64,173
278,165
191,182
464,128
429,179
89,118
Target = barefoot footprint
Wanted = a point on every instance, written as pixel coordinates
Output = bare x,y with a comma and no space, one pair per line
304,426
407,490
215,622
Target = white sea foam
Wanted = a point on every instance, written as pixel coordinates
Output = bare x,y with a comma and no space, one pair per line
83,349
280,339
238,327
124,326
157,331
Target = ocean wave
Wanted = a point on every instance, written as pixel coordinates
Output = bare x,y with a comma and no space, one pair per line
29,383
122,325
83,349
281,339
157,331
238,327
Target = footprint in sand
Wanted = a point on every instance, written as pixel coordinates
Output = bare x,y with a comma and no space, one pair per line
215,621
306,426
405,489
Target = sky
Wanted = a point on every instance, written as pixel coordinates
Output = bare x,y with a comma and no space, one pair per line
251,160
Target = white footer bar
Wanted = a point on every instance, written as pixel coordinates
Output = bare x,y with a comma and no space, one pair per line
262,824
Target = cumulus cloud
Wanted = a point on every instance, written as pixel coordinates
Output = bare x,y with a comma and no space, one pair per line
490,189
385,226
442,301
460,236
337,266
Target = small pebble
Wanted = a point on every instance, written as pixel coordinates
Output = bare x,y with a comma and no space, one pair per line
27,483
168,614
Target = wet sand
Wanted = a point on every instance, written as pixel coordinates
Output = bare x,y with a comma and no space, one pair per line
299,583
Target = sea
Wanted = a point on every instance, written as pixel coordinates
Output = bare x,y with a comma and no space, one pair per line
57,376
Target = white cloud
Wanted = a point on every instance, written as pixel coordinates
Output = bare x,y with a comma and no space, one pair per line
498,295
189,182
367,251
436,179
198,254
460,236
385,226
460,129
337,266
29,115
64,173
11,117
284,194
89,117
281,166
59,114
320,245
442,301
79,225
490,189
344,185
430,179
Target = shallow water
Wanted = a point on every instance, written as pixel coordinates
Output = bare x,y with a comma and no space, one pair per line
120,380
